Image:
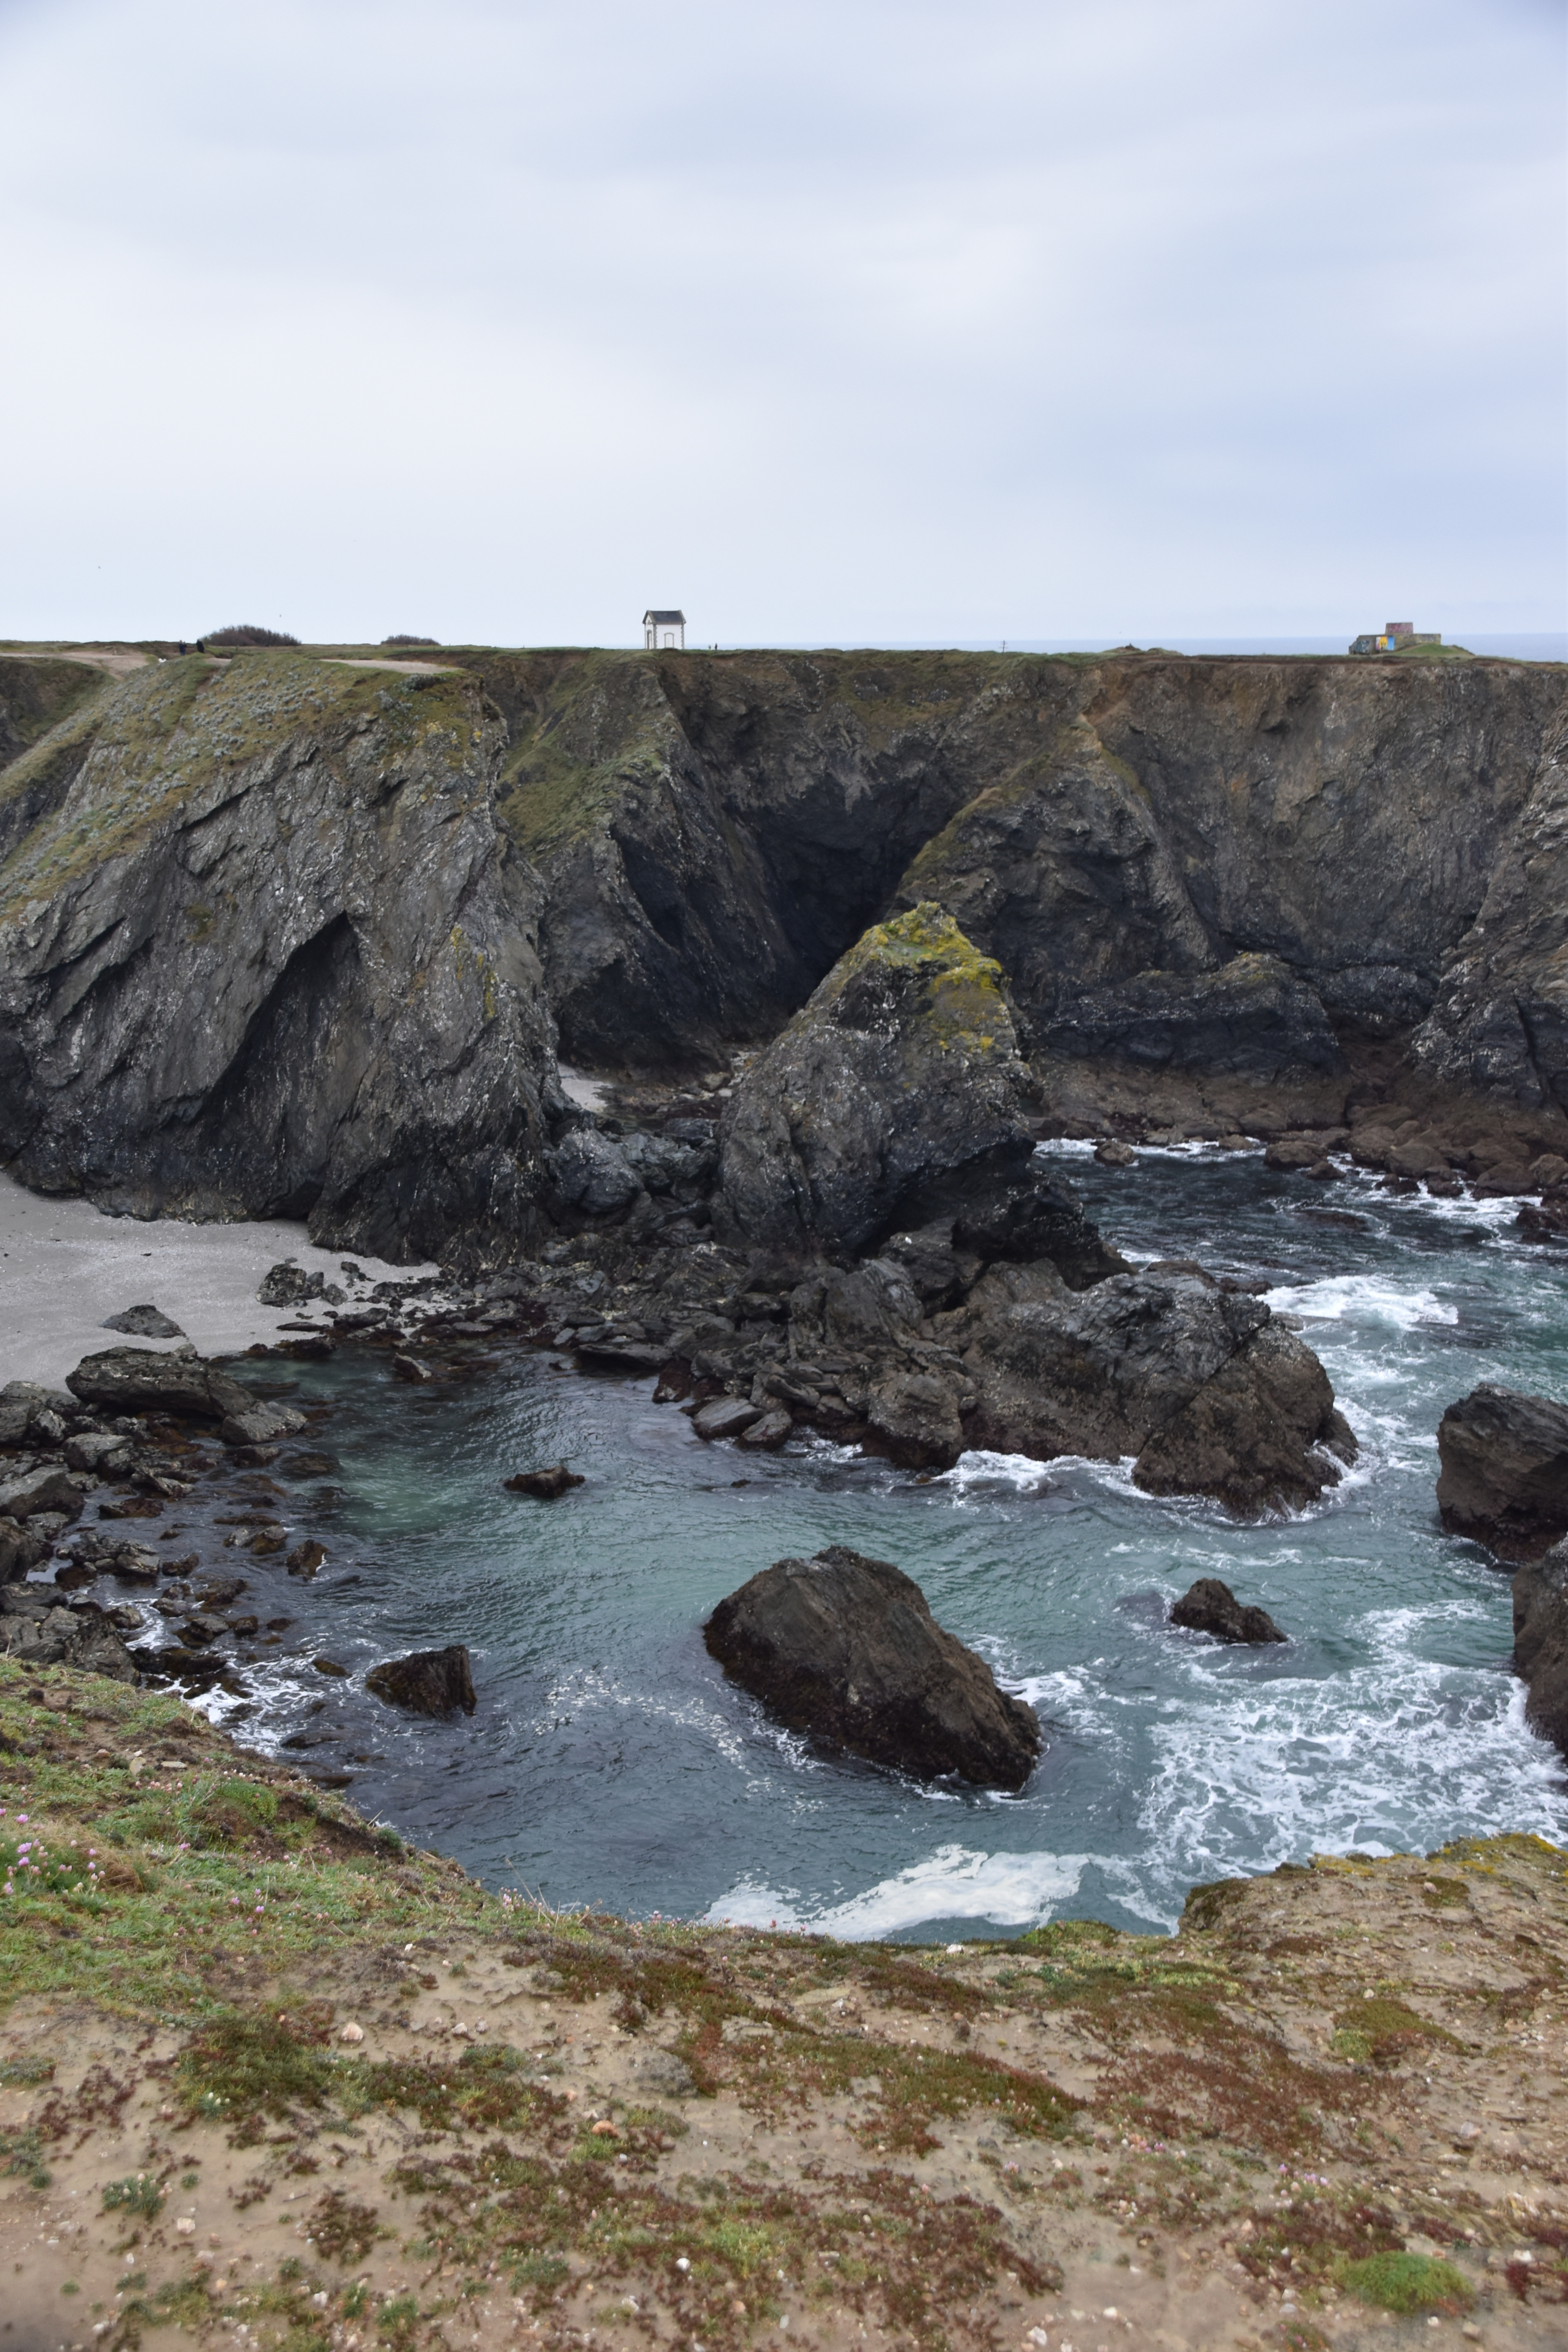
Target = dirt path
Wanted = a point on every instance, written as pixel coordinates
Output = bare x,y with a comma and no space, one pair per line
117,665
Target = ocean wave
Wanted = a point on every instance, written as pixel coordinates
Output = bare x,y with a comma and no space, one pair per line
1361,1297
1008,1890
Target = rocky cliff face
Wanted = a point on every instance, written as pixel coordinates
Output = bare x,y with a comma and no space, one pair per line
265,950
1241,869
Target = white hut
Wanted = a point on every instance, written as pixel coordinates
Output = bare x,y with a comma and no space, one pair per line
663,633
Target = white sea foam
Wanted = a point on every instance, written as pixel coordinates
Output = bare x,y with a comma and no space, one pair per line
956,1882
1361,1299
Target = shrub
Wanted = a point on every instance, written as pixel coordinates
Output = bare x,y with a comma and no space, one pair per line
243,633
1407,2282
401,640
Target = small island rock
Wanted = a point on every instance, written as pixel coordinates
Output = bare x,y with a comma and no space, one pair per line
427,1682
545,1484
1210,1607
846,1648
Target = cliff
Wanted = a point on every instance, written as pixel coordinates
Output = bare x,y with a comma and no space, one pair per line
264,950
294,930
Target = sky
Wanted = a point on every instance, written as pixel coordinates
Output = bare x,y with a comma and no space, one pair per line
875,321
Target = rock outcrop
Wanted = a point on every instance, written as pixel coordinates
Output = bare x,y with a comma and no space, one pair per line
1504,1475
1209,1606
845,1649
427,1682
269,953
1540,1643
36,1631
901,1074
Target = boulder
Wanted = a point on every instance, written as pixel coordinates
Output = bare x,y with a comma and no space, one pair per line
20,1549
255,1423
846,1649
901,1067
288,1285
1210,1607
545,1484
36,1631
427,1682
22,1403
408,1368
1203,1387
1540,1643
143,1323
103,1452
306,1559
1504,1475
590,1173
725,1417
41,1490
765,1436
139,1379
1113,1153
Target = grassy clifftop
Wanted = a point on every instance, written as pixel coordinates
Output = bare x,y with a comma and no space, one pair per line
263,2068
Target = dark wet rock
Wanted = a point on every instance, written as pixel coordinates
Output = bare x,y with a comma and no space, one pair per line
591,1173
845,1648
314,1349
28,1410
201,1628
1540,1643
546,1485
428,1682
1112,1153
287,1284
1210,1607
902,1068
306,1559
143,1323
141,1379
21,1548
103,1452
725,1417
1504,1475
132,1564
36,1631
410,1368
331,1666
41,1491
1205,1387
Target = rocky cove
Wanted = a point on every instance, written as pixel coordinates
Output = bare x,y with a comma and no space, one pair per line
816,1197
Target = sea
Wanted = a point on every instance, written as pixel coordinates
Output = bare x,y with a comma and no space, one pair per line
610,1764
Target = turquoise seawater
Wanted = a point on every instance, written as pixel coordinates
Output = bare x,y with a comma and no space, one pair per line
611,1763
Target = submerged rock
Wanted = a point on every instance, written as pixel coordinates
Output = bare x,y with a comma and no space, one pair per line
1210,1607
1540,1643
546,1484
1504,1476
427,1682
845,1648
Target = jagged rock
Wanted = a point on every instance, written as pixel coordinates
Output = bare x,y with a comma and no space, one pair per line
36,1631
1113,1153
1540,1643
104,1451
139,1379
287,1284
41,1491
306,1559
143,1323
21,1549
1205,1387
903,1067
725,1417
765,1436
845,1648
590,1171
427,1682
257,1423
662,2074
410,1370
546,1484
23,1404
1504,1475
1210,1607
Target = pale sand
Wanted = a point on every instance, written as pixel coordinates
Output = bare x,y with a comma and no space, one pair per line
64,1266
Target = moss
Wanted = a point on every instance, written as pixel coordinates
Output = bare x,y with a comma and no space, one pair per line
1407,2282
963,991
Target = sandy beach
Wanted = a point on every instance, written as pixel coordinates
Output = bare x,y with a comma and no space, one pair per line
64,1266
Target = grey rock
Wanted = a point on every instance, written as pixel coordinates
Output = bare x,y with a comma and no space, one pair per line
590,1173
141,1379
102,1451
287,1284
845,1648
661,2074
1540,1643
1209,1606
39,1492
47,1635
427,1682
725,1417
21,1548
23,1403
143,1323
903,1068
1504,1475
258,1424
1206,1388
765,1436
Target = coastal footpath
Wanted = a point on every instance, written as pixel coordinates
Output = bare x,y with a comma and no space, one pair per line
268,2076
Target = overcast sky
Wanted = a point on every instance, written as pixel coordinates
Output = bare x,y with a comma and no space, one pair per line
837,320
